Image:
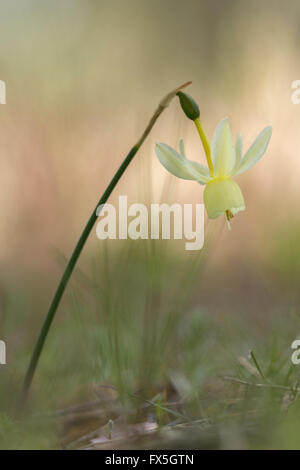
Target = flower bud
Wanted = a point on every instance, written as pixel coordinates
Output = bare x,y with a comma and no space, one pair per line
189,106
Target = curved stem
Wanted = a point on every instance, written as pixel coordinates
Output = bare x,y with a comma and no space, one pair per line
206,145
67,274
78,249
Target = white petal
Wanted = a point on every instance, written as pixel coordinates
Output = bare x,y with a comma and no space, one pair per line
222,149
173,161
238,153
256,151
179,166
238,148
181,146
201,172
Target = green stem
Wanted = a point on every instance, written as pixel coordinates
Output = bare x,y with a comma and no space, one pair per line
78,249
67,274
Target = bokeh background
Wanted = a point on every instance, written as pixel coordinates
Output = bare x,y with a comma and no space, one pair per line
83,78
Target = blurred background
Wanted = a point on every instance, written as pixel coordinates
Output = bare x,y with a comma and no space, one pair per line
148,319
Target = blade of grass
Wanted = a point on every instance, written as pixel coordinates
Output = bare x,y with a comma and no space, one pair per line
252,355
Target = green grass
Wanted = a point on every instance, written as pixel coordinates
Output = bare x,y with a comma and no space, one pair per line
135,346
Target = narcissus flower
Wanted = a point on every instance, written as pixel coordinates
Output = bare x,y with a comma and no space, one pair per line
222,195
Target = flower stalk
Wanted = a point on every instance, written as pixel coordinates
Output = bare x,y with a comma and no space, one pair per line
78,249
206,146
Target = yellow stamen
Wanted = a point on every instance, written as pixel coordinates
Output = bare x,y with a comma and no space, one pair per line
229,215
206,146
